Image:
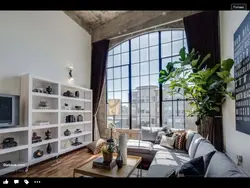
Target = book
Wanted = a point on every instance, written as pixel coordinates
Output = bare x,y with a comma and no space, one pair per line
98,163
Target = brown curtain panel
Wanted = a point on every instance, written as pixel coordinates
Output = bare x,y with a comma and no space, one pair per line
98,74
202,33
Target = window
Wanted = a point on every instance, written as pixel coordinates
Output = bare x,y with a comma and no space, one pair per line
132,76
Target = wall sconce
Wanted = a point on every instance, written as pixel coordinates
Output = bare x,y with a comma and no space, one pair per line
70,73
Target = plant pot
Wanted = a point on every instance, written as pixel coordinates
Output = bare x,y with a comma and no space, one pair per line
107,157
206,124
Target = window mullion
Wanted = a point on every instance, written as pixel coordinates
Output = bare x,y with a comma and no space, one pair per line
130,87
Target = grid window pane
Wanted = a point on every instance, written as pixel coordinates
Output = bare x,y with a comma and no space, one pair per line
135,69
185,45
135,82
118,122
154,52
125,84
125,58
117,72
125,122
125,96
125,46
165,61
154,66
154,80
117,85
124,71
125,109
165,36
176,35
135,43
135,56
110,84
111,52
177,45
153,38
110,61
175,58
110,95
117,60
144,41
110,73
166,50
144,80
144,54
117,95
144,68
117,49
167,115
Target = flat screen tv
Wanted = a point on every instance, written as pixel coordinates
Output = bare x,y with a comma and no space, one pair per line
9,110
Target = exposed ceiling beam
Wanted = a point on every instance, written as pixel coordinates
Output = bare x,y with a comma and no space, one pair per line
136,20
78,19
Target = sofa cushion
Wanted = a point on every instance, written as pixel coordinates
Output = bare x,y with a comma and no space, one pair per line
189,136
222,166
165,162
159,137
194,144
139,146
158,147
149,133
204,148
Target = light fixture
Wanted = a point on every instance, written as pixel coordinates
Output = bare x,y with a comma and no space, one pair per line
70,73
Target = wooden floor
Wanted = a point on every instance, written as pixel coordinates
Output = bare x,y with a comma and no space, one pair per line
60,167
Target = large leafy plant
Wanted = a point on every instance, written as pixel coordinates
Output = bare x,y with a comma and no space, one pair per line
205,88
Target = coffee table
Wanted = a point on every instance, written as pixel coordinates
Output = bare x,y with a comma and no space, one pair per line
132,163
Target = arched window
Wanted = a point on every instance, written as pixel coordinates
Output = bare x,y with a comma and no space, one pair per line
132,76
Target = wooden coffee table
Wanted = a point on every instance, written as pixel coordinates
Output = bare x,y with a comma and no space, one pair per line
125,171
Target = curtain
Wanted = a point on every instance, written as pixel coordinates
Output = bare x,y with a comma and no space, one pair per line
202,33
98,74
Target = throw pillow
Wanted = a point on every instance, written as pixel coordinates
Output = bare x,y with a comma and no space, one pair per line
167,141
181,142
207,159
194,167
96,146
159,136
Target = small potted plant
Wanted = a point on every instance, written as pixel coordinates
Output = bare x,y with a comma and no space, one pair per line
107,152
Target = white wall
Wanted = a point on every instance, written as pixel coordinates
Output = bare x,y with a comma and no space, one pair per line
43,43
235,143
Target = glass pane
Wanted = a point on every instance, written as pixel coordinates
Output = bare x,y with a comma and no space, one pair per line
118,122
117,72
178,110
117,60
167,114
135,56
110,84
135,97
117,95
165,36
109,119
125,122
177,35
185,45
144,55
165,92
177,45
144,41
184,34
125,96
154,95
144,80
125,109
117,49
135,43
166,50
153,38
189,121
154,80
154,66
136,122
111,52
110,61
135,82
144,95
124,71
110,74
125,84
125,46
110,95
135,69
117,85
165,61
125,58
175,58
144,68
154,52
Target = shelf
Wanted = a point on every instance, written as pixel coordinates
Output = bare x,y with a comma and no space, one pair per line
44,142
44,157
16,165
73,147
75,111
45,110
34,127
13,129
75,87
76,99
75,123
17,148
74,135
45,95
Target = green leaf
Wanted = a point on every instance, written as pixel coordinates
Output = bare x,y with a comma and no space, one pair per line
227,64
223,74
163,72
204,60
182,54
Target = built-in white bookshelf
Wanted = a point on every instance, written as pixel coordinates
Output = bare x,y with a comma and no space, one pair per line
64,107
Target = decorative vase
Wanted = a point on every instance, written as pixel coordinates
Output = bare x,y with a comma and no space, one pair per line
119,160
77,94
38,153
48,135
49,148
123,147
107,157
67,132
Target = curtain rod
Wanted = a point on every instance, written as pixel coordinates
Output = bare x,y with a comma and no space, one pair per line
167,23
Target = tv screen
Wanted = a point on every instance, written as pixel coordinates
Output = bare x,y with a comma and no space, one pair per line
5,109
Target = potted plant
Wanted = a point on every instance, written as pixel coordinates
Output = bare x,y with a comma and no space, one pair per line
205,88
107,152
